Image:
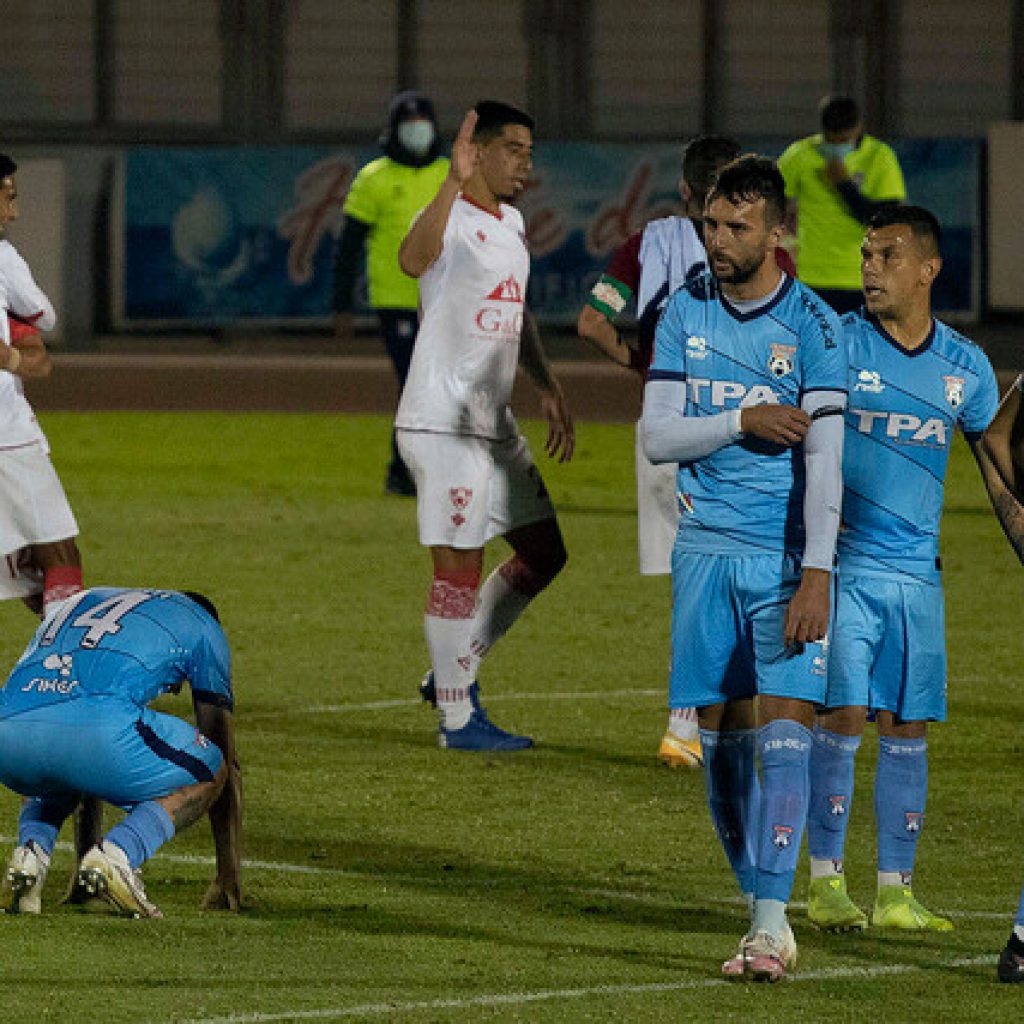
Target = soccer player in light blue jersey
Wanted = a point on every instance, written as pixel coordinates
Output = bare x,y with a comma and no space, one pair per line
913,381
74,720
746,392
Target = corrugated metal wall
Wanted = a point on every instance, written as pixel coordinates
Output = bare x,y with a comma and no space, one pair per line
332,65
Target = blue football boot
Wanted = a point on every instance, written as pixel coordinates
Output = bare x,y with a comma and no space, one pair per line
480,733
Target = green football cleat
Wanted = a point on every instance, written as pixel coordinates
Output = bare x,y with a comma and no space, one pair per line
831,909
896,907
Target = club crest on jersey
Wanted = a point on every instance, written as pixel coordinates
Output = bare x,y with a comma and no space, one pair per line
481,235
508,290
954,391
837,806
782,836
869,380
913,821
696,347
780,362
460,496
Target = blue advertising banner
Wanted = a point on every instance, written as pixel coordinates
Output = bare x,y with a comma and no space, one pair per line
209,237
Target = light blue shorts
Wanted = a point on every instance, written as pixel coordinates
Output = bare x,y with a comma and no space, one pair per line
106,747
728,616
888,647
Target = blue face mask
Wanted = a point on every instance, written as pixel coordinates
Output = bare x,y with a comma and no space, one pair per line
836,150
416,136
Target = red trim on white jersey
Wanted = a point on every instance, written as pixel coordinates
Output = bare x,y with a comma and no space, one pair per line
472,202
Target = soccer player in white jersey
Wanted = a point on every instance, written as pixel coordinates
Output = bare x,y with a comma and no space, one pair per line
37,529
1001,458
39,559
652,264
475,477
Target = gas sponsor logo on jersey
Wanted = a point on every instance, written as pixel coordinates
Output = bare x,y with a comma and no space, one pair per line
722,393
460,499
954,391
782,836
903,427
780,362
869,380
501,318
697,347
61,668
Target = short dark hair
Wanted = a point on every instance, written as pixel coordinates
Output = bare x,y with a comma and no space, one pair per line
703,157
838,113
203,601
493,115
923,224
7,166
749,178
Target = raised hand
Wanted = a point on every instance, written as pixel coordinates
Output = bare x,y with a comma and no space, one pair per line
465,152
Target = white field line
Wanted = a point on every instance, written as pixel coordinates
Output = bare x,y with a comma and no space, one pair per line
491,698
552,995
651,899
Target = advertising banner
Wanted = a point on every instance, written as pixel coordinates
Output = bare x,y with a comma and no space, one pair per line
219,236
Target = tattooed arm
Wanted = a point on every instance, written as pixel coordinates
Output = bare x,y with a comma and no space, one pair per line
1000,456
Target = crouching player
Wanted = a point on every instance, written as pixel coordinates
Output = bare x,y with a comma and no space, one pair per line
74,720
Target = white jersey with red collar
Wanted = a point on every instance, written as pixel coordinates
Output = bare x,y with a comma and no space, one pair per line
20,296
471,305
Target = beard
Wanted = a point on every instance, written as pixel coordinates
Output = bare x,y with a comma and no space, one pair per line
739,271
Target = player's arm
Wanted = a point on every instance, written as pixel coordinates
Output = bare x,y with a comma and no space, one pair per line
561,439
26,356
999,453
423,244
607,299
25,299
808,612
593,326
216,723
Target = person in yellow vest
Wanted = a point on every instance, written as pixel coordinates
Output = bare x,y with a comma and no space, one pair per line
384,198
835,181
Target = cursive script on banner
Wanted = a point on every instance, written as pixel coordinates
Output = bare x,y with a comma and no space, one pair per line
319,192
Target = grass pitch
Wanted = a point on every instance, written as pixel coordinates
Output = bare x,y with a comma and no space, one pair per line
391,881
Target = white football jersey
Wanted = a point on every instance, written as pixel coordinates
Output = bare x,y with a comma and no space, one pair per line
472,300
20,295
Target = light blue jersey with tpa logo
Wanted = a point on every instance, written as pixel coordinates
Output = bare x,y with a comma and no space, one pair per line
127,644
746,497
903,409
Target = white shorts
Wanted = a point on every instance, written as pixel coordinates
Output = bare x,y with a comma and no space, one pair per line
657,512
33,506
470,489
